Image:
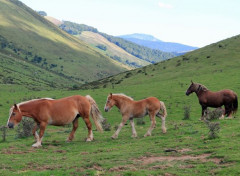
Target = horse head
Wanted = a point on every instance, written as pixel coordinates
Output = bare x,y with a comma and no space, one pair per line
110,103
195,87
15,116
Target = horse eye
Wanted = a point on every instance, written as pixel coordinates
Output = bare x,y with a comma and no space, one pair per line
13,114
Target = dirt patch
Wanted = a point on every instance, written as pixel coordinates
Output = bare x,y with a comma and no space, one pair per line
16,151
122,168
183,150
36,167
84,153
202,158
60,151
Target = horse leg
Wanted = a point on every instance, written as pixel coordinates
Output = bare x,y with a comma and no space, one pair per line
223,114
134,133
42,129
75,126
153,124
204,108
34,132
89,126
164,130
228,111
124,120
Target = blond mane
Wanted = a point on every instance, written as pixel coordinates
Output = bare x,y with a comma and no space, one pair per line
29,101
124,96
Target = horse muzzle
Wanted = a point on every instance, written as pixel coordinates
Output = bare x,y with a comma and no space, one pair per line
10,125
187,93
106,109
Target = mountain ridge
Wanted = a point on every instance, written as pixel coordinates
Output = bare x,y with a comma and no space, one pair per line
154,43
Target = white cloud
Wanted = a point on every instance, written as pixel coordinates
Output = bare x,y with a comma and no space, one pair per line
164,5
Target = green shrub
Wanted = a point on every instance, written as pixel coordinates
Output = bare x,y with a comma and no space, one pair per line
187,110
25,128
214,129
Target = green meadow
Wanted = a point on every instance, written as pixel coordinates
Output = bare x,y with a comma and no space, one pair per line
185,149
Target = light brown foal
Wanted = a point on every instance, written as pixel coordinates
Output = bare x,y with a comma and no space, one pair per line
135,109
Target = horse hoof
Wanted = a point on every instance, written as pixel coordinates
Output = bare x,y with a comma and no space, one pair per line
114,137
36,145
68,141
88,140
147,135
134,136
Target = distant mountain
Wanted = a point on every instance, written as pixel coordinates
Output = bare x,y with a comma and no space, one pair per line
140,36
154,43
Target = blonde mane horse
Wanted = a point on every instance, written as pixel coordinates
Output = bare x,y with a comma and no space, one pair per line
135,109
58,112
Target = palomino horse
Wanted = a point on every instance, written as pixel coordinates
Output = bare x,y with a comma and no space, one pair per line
58,113
135,109
208,98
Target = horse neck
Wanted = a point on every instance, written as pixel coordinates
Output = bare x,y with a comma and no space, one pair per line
27,109
121,102
200,93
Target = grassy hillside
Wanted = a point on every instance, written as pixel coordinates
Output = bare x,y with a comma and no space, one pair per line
216,66
141,52
25,33
111,50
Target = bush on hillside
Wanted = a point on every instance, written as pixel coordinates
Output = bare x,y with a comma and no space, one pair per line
187,110
25,128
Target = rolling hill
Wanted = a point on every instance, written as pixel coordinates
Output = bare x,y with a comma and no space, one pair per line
33,39
145,55
216,65
154,43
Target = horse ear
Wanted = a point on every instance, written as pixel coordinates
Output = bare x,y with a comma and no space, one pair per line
111,95
15,106
191,81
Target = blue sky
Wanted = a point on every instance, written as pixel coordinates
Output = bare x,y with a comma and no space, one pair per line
191,22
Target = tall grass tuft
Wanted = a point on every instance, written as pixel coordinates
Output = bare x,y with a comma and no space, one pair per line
186,115
3,129
214,129
25,128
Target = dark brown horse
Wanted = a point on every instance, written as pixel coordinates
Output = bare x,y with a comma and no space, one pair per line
207,98
59,112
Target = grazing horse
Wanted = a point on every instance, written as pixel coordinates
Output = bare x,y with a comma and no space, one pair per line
135,109
207,98
58,112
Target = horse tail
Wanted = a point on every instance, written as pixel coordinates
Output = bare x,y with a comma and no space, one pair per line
163,108
95,113
235,104
163,116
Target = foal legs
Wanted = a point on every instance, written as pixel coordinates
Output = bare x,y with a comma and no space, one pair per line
42,129
124,119
89,126
153,124
75,126
134,133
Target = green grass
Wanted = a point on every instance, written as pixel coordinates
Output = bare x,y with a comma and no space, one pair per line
216,66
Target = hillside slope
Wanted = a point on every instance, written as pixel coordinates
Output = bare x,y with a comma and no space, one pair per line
154,43
25,33
216,66
111,50
143,53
